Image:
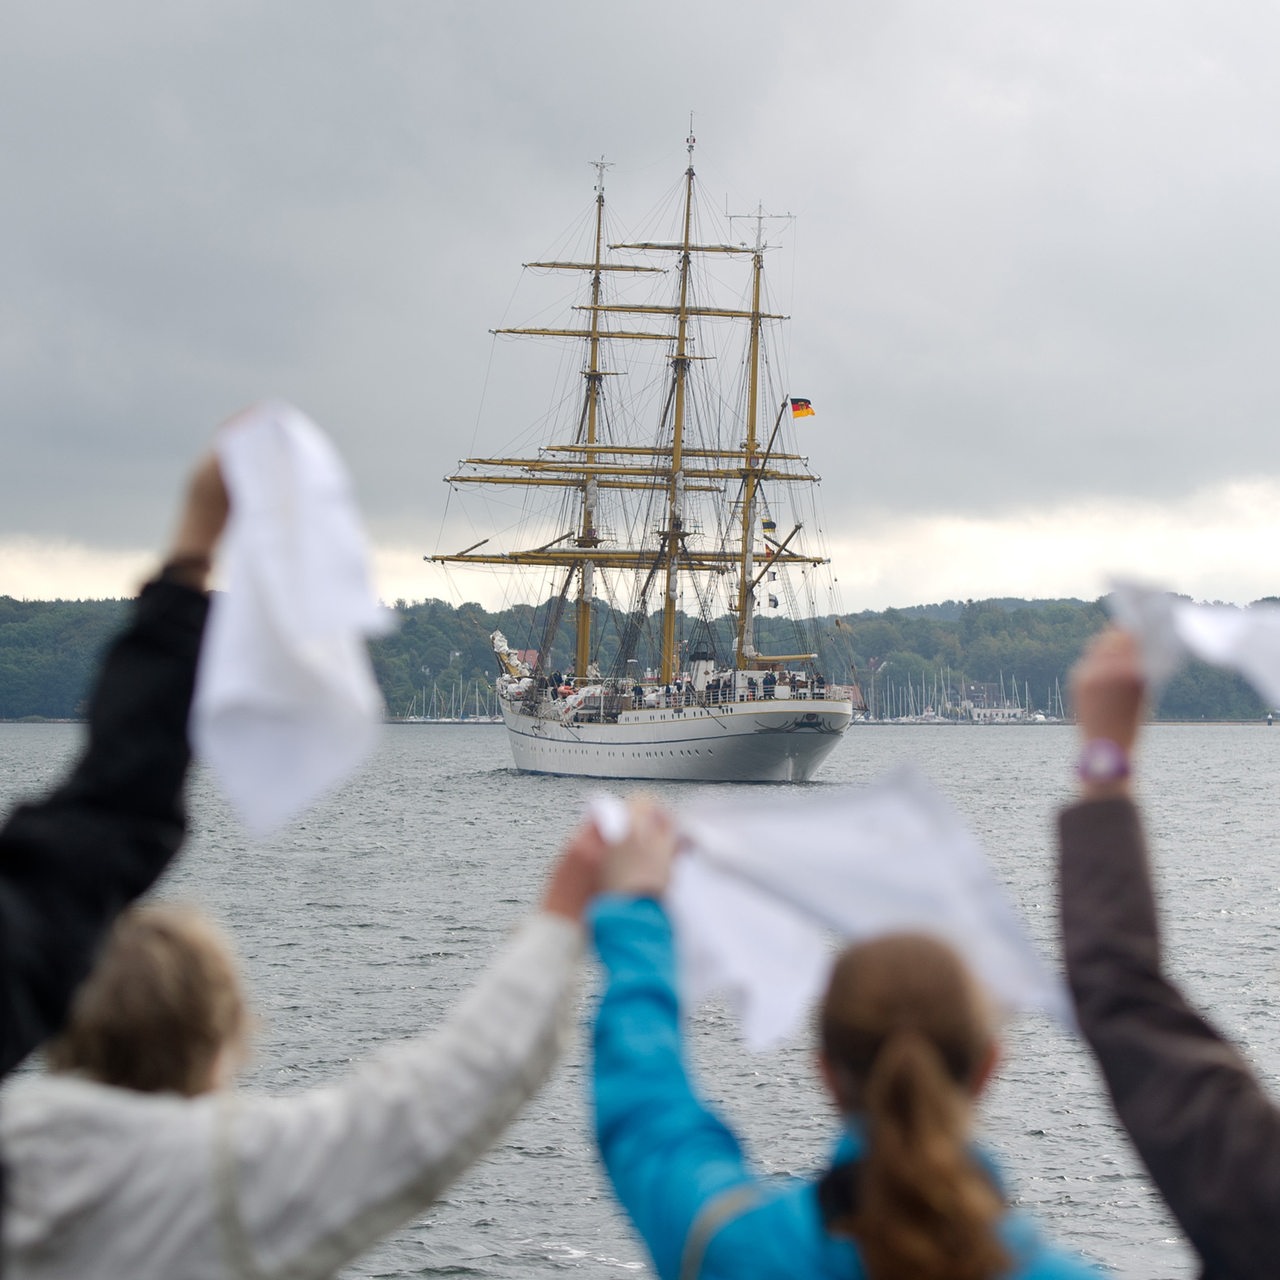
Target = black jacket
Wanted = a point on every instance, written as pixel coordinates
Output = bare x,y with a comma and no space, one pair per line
70,862
1203,1125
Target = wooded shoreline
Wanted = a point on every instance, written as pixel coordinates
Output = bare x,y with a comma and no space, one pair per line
1018,650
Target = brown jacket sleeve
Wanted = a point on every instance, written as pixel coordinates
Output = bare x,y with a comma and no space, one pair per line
1207,1132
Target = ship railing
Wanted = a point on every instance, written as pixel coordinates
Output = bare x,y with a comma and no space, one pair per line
658,697
841,693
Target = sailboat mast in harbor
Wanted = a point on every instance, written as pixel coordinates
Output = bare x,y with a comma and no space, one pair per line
657,512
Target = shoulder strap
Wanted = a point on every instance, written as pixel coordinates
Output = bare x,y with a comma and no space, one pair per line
718,1212
235,1239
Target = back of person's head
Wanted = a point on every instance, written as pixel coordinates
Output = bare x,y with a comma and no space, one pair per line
907,1041
160,1008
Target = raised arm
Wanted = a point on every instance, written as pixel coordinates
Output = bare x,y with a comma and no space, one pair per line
70,862
1208,1134
666,1153
314,1180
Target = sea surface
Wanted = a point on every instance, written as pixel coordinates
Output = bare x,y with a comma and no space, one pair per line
362,922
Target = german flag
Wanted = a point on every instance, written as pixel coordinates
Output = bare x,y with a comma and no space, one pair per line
801,408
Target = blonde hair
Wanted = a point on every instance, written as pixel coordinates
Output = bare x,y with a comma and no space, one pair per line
907,1035
162,1003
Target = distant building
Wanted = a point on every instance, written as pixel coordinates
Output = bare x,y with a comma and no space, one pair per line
988,704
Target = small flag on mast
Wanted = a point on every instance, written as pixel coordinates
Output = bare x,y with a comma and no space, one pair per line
801,408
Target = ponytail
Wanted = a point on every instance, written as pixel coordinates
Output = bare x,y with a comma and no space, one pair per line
925,1209
905,1036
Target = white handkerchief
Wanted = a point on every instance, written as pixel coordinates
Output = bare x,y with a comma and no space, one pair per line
286,705
1169,628
767,884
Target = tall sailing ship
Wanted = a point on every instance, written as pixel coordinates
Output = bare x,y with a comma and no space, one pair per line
673,533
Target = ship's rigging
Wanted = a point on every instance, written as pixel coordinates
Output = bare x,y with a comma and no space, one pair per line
667,513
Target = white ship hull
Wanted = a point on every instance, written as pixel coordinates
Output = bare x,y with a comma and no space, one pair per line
771,740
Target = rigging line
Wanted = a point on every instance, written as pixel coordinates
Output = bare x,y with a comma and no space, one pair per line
488,368
794,264
475,431
605,593
551,624
449,580
704,602
444,515
571,239
639,618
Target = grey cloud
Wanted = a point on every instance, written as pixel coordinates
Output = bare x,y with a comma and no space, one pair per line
1035,252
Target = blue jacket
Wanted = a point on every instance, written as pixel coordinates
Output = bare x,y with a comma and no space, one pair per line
670,1158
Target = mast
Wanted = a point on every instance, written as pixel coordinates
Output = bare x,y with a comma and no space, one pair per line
674,535
580,473
588,538
744,649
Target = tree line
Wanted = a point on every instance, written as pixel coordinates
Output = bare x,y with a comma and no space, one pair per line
901,657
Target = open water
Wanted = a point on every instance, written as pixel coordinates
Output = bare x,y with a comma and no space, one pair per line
364,921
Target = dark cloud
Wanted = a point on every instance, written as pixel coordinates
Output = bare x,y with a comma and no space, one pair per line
1034,255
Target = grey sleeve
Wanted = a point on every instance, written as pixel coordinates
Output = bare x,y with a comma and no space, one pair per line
307,1183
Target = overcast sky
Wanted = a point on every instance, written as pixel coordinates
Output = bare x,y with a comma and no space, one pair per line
1035,268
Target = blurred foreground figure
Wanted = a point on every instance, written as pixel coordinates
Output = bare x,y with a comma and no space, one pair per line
71,862
1208,1134
906,1047
132,1158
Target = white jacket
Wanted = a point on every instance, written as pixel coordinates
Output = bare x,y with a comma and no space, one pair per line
107,1182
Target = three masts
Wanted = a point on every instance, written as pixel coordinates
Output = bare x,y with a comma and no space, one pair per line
685,505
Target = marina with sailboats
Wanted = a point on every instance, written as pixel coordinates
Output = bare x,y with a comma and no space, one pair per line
472,705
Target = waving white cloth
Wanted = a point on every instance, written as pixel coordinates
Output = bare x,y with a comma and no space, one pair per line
286,705
1170,629
764,886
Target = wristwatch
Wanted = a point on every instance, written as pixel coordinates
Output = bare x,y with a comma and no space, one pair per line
1102,760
